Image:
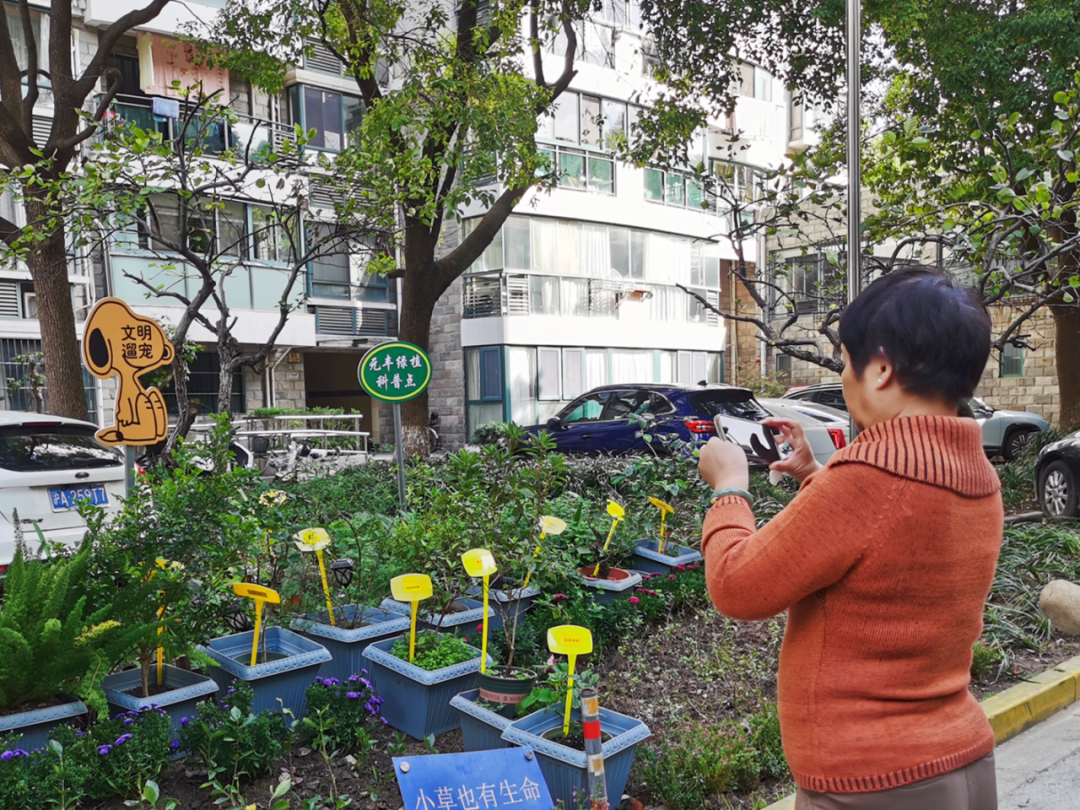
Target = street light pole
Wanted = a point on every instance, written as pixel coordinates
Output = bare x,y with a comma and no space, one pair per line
854,183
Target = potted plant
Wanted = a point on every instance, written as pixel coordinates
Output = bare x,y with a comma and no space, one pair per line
416,695
346,625
660,556
53,654
607,581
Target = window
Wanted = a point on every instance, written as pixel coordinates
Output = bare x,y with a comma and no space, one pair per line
567,122
573,372
270,235
18,39
1012,361
735,182
203,381
548,376
231,230
672,188
491,386
334,116
783,368
595,42
517,244
586,409
795,132
762,84
614,113
330,272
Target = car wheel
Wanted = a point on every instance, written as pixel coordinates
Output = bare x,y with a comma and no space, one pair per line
1057,490
1017,442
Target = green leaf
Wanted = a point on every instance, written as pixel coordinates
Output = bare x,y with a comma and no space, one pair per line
1024,174
1065,154
1061,97
283,787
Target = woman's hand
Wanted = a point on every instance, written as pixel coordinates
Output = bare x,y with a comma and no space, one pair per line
723,464
800,463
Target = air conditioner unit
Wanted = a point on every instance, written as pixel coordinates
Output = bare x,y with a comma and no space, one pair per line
29,305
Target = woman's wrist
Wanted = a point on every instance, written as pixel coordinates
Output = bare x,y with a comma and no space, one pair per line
738,492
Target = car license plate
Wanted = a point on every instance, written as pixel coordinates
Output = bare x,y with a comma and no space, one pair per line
63,498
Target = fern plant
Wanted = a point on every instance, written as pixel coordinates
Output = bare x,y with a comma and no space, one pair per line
49,646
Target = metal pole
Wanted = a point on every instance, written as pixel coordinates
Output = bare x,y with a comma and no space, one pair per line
594,748
854,187
129,468
399,448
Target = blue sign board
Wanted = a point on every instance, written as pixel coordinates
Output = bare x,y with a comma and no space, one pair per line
508,779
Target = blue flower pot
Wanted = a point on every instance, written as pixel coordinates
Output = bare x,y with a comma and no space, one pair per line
622,583
415,700
34,726
511,605
465,620
186,690
651,561
481,729
564,767
347,645
286,678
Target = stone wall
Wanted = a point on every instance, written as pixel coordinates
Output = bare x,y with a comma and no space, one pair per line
1037,388
446,394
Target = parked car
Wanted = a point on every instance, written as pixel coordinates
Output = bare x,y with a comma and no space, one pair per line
48,464
1057,475
837,422
1005,433
824,439
598,421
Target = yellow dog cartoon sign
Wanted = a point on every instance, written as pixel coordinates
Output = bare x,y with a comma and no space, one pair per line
118,342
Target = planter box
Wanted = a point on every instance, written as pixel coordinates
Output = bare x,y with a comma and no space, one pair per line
187,690
286,678
347,646
512,604
651,561
34,725
467,620
564,768
481,729
619,583
415,700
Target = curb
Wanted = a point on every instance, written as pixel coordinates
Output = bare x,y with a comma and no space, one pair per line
1018,708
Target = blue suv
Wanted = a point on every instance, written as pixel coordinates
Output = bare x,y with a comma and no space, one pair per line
598,422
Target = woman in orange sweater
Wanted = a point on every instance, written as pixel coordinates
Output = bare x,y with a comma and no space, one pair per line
883,561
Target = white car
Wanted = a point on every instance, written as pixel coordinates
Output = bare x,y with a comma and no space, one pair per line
48,464
824,439
836,421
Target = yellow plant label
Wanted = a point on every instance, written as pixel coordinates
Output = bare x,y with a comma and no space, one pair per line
549,524
569,639
273,497
615,510
411,587
314,539
252,591
659,504
479,562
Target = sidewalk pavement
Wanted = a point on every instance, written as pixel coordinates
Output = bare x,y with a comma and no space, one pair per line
1040,768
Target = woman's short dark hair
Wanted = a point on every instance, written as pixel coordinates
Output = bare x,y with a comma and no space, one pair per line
935,333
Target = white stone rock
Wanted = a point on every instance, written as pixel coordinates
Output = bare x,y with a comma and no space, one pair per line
1060,602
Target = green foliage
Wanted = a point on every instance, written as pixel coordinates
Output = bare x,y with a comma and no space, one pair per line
435,651
1018,476
490,433
362,489
765,737
267,413
691,765
985,661
550,692
340,716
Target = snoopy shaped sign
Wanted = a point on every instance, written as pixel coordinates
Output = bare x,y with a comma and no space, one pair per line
118,342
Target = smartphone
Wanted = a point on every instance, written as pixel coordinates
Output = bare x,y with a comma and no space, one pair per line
756,439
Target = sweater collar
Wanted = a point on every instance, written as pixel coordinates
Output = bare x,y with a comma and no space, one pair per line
944,451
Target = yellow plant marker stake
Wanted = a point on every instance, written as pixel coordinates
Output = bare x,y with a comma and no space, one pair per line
411,588
571,641
261,596
316,540
665,510
162,563
549,524
479,563
617,513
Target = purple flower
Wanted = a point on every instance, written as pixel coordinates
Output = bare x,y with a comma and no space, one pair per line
123,738
332,682
354,678
128,722
104,749
382,720
319,681
174,744
363,672
185,720
18,752
80,733
230,692
352,695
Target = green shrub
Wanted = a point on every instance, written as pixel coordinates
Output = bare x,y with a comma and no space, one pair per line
764,726
341,715
488,434
691,765
985,660
434,651
1018,476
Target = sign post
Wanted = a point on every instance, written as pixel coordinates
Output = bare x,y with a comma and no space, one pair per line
479,563
571,641
411,588
395,372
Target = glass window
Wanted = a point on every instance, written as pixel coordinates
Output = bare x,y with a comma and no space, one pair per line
322,112
637,254
762,84
18,38
674,190
685,369
548,377
354,114
746,79
53,448
572,169
619,240
654,185
567,122
601,175
232,230
614,122
586,409
1012,361
596,368
573,373
491,387
783,368
521,370
272,243
590,121
615,11
472,374
167,210
329,272
516,244
695,194
712,271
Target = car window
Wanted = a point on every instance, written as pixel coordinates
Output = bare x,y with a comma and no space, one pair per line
586,409
834,399
622,404
28,448
711,403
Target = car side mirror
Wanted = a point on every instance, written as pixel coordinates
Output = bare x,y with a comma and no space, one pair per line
554,423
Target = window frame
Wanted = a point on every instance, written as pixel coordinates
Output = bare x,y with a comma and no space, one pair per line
1015,357
540,352
296,101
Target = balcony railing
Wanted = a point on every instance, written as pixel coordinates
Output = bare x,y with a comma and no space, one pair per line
495,295
254,138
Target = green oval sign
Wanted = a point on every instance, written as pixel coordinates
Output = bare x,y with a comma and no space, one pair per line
395,372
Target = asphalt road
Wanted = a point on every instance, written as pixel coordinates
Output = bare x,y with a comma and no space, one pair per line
1040,769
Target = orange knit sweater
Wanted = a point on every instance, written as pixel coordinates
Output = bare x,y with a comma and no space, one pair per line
884,560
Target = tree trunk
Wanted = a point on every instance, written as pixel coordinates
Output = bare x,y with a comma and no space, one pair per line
1067,336
417,305
48,263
